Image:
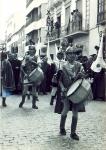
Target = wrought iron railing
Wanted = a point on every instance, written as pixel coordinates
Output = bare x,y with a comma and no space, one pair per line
30,20
67,30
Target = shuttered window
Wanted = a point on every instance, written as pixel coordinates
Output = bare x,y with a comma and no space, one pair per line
101,17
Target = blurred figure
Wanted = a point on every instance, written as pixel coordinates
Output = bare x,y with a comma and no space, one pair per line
45,84
8,84
55,93
16,64
27,67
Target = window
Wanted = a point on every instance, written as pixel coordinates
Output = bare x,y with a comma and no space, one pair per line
101,18
39,12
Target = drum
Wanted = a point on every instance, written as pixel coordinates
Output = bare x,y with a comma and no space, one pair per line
36,76
79,91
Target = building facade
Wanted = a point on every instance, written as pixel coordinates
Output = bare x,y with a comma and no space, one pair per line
70,19
36,20
15,34
97,24
77,19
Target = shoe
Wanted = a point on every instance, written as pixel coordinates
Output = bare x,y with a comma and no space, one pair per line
44,93
52,100
28,96
62,131
51,103
34,107
74,136
4,105
37,99
20,105
4,102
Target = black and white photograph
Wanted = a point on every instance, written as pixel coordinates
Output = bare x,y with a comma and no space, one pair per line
52,74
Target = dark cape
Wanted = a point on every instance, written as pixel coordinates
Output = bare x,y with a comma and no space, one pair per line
8,77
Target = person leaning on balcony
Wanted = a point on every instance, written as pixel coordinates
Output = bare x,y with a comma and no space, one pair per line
78,20
73,21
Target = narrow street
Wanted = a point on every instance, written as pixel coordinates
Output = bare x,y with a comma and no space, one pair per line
29,129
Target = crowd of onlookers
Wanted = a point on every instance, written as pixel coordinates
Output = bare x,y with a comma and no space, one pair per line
49,71
37,75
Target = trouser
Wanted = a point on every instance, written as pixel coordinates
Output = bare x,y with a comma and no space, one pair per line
33,92
3,101
65,110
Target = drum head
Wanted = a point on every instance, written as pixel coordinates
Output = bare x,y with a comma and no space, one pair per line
73,87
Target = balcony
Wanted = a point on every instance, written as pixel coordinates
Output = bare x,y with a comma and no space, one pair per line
67,31
77,29
35,25
101,18
31,20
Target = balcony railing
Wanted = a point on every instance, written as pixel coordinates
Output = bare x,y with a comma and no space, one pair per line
31,20
101,18
64,31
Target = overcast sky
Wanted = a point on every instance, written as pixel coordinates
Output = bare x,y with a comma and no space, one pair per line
7,8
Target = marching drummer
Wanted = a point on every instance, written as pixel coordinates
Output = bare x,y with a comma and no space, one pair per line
71,71
26,69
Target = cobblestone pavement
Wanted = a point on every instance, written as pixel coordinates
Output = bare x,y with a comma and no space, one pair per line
29,129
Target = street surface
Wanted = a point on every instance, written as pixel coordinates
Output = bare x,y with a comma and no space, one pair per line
29,129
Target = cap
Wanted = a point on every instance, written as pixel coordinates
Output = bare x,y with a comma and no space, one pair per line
60,54
70,50
43,50
31,47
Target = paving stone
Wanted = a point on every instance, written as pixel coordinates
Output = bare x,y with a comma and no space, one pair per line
29,129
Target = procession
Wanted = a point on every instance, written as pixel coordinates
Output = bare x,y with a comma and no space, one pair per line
53,76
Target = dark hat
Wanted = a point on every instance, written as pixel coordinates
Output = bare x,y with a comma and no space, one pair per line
3,55
60,52
96,47
32,47
44,48
70,50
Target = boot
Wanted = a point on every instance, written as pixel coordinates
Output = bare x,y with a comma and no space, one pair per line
4,102
52,100
22,102
73,134
62,125
34,102
28,96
